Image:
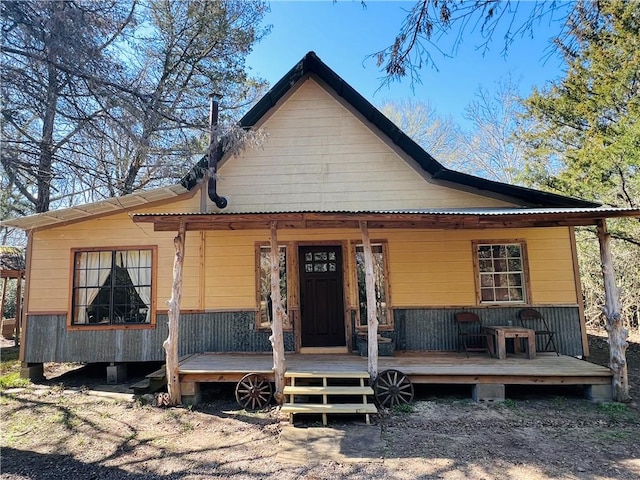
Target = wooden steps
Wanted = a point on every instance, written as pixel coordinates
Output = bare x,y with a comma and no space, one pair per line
365,408
151,383
328,393
305,390
328,374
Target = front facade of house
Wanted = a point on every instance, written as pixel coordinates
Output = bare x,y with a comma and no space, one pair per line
99,276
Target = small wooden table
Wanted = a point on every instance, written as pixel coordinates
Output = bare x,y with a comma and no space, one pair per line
502,332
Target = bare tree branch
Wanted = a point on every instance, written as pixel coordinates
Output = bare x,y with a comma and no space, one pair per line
430,21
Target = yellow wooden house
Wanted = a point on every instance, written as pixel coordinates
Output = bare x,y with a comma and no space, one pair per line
99,275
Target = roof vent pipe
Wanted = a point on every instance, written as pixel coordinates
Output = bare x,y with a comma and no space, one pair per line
220,202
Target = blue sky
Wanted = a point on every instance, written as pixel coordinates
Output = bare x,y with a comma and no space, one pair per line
344,33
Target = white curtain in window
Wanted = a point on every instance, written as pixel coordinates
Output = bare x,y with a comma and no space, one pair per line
94,269
138,265
379,281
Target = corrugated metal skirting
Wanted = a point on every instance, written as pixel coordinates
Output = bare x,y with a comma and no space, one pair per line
48,339
434,329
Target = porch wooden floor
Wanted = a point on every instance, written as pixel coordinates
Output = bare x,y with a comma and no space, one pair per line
436,368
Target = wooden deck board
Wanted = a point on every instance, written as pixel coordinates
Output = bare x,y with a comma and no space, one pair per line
289,390
546,368
357,408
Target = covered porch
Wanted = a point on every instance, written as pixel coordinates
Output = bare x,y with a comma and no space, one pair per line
487,376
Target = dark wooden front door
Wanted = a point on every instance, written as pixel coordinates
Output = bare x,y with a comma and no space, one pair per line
321,296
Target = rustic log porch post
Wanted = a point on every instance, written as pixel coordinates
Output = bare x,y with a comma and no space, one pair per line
17,275
3,298
617,333
277,314
16,340
170,345
372,315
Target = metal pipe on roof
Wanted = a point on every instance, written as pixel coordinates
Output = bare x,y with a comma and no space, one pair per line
220,202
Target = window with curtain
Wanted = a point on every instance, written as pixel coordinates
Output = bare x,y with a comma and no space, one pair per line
264,319
381,284
501,272
112,287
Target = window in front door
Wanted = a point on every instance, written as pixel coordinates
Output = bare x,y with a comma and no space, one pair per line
321,296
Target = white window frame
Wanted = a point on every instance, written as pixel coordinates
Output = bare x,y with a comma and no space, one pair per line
485,280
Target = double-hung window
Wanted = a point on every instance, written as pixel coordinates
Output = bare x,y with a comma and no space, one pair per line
112,287
501,272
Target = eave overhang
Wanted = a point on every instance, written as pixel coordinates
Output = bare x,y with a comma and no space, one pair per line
103,207
425,219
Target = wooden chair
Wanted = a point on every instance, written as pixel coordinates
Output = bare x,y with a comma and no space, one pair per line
471,338
533,319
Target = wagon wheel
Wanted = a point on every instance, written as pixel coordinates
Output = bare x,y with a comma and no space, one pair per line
393,387
253,392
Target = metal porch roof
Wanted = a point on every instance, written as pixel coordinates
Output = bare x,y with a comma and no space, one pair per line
415,218
615,211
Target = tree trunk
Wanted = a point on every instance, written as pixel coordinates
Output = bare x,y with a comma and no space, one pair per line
45,161
372,316
277,314
139,158
618,334
170,345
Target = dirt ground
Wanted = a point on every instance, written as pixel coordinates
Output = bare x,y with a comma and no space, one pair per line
61,429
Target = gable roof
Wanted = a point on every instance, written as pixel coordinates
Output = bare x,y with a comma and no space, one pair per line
311,64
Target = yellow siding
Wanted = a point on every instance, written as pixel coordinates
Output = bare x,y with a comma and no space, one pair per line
229,281
319,156
51,255
427,268
435,268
